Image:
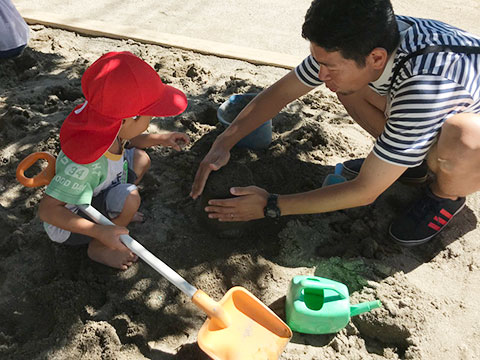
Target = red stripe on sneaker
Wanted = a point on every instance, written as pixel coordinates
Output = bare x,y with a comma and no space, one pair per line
434,227
446,213
440,220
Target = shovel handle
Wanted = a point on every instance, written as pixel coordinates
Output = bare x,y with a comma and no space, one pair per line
143,253
44,177
213,309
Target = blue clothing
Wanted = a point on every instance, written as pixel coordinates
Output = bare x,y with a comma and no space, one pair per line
14,31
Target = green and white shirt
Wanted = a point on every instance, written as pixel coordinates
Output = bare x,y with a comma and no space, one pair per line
77,184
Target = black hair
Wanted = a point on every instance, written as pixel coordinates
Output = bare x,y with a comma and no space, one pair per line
353,27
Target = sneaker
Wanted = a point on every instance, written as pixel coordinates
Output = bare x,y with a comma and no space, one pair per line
425,219
414,175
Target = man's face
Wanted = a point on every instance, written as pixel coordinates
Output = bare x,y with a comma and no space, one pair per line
340,75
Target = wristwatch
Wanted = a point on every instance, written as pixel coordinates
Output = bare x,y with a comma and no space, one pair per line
272,210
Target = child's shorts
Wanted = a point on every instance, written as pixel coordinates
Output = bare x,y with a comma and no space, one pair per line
109,202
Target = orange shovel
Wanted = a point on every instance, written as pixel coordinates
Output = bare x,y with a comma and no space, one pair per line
238,327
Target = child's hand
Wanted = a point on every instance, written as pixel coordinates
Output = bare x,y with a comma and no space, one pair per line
110,236
175,140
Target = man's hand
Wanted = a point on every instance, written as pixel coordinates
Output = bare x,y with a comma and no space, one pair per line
248,205
214,160
263,107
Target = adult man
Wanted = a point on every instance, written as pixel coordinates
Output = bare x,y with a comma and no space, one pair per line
418,105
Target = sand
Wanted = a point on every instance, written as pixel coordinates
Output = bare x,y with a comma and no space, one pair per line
55,303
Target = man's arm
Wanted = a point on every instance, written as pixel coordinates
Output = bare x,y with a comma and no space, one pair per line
262,108
374,178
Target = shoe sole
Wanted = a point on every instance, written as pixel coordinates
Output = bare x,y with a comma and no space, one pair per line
403,180
412,243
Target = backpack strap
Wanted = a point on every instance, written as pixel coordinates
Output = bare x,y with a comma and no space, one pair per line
433,49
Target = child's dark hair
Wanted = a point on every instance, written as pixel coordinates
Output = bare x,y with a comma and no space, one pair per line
353,27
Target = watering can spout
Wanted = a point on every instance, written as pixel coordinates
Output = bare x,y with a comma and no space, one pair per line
361,308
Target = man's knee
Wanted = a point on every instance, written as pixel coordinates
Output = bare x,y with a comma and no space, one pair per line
461,133
458,147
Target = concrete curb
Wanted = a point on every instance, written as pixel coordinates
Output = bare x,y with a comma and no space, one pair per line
97,28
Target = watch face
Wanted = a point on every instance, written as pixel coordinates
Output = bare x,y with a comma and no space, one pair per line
272,210
271,213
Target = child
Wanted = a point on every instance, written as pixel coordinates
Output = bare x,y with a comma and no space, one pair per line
100,162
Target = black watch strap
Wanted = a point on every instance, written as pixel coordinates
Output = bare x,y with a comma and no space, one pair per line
272,210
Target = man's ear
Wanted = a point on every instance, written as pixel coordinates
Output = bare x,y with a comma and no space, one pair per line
377,58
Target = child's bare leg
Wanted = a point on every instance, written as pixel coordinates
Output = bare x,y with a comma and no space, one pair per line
132,203
141,164
122,259
119,259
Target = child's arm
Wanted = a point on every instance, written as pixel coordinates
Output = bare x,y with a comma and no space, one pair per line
54,212
175,140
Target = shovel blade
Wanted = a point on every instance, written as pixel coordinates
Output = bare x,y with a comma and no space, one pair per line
254,331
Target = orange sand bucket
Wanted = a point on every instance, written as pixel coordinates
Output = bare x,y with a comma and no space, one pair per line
239,326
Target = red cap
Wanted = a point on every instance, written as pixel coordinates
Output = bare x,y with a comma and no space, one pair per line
116,86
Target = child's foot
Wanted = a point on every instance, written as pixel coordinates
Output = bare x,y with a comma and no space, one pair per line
119,259
138,217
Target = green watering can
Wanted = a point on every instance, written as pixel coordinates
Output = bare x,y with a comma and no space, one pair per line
317,305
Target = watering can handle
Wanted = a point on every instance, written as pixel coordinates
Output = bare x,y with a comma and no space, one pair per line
320,286
44,177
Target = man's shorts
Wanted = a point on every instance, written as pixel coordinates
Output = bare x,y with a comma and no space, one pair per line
109,202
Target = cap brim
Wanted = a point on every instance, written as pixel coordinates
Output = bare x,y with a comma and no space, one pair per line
87,135
172,102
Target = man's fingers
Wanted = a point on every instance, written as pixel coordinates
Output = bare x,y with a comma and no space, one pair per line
200,179
228,203
215,166
227,215
239,191
224,214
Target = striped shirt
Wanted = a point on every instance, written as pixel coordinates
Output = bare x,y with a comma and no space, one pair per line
429,89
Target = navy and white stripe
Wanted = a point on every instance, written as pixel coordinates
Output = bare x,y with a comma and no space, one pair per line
428,90
307,72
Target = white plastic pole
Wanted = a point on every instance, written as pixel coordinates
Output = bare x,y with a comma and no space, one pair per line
143,253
